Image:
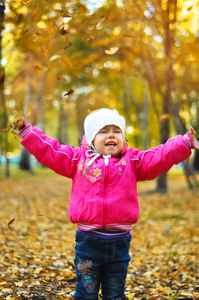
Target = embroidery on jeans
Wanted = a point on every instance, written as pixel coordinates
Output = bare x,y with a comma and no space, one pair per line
88,275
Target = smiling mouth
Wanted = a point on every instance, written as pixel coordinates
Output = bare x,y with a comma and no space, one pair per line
110,144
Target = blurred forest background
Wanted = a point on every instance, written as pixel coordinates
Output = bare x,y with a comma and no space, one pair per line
62,59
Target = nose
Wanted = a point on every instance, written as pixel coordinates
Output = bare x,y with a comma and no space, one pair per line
111,134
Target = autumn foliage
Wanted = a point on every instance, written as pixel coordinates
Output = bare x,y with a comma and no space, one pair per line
37,241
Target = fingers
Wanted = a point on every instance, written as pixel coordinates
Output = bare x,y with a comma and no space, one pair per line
18,125
196,143
191,130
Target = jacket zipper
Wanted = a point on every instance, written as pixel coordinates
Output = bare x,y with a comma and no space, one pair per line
105,197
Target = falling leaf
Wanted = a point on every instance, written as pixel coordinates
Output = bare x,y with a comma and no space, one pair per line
90,38
189,8
38,33
10,223
71,91
129,36
38,68
164,117
61,78
111,51
63,31
33,15
54,57
113,15
66,61
29,111
83,10
68,46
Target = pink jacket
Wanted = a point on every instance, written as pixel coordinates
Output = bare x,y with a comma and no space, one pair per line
104,190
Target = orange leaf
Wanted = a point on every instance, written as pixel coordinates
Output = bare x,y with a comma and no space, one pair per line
61,78
38,33
130,36
38,68
113,15
164,117
66,61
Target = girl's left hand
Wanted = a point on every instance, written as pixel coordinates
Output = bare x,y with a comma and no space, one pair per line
195,141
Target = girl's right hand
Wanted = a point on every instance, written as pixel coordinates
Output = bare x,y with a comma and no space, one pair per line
18,125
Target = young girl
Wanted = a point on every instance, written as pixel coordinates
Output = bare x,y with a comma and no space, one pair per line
104,200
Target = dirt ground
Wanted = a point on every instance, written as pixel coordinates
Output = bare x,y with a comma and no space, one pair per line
37,241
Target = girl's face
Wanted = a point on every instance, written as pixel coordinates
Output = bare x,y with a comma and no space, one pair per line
109,140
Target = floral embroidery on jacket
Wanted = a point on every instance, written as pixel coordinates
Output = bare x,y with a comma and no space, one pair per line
120,166
97,172
92,173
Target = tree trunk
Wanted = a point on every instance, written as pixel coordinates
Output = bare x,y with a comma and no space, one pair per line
3,111
196,152
25,157
125,99
63,124
79,121
146,112
24,163
164,127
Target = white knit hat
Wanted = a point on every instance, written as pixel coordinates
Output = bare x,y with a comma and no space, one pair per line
100,118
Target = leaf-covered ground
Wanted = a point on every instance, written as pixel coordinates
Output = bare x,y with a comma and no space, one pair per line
37,241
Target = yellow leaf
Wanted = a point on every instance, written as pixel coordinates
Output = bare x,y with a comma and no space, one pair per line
29,110
131,296
112,50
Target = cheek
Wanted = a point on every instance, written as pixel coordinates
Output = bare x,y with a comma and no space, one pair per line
97,142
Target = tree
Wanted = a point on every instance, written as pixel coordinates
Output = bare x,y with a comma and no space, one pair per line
3,110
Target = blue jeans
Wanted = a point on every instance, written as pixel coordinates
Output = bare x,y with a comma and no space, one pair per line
101,261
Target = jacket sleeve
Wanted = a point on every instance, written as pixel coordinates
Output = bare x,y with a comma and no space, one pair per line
60,158
151,163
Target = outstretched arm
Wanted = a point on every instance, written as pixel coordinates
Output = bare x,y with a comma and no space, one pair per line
151,163
60,158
